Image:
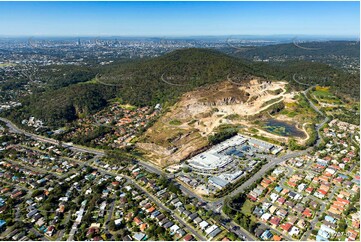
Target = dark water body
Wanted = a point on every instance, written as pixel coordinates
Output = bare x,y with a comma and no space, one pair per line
282,128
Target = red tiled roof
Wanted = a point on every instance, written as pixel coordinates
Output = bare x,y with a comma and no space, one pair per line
188,237
281,200
275,220
252,198
276,238
322,191
286,227
291,184
137,220
307,213
344,201
309,189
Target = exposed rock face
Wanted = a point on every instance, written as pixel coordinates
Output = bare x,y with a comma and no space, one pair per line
224,101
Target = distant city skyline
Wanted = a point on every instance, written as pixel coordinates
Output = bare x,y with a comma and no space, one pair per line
147,19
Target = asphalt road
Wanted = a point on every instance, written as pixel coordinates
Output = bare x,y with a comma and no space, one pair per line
160,204
156,201
78,148
325,120
111,211
211,205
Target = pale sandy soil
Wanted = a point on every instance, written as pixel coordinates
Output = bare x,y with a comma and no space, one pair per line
201,111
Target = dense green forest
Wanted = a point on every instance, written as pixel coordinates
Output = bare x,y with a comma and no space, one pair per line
346,85
73,91
316,49
76,94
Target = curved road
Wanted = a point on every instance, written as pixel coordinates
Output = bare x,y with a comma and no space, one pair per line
78,148
326,119
210,205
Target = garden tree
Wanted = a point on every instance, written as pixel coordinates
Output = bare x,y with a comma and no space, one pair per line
48,206
162,181
112,225
186,169
226,209
122,232
352,208
165,237
19,225
209,213
201,211
342,225
136,211
160,230
232,236
37,193
151,231
216,217
173,188
32,235
252,226
141,215
292,144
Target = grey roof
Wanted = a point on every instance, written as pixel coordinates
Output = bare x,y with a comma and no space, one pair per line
197,220
181,232
160,217
167,225
193,216
215,232
181,209
186,213
127,238
138,236
218,181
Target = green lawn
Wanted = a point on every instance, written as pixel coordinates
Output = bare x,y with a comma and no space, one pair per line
324,95
175,122
247,207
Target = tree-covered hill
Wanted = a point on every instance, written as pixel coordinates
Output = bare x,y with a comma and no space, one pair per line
308,49
164,78
75,91
146,82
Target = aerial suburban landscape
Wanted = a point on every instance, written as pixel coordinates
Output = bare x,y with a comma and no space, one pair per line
179,121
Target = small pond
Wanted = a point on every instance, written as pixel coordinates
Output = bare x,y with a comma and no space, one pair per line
282,128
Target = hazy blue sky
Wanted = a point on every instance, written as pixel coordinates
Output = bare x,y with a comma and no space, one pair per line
179,18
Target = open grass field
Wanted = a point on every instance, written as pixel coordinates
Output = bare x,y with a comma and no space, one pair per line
299,110
323,95
247,207
7,64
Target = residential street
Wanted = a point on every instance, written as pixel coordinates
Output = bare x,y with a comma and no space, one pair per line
214,205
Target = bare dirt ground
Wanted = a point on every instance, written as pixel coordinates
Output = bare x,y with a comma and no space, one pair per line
185,128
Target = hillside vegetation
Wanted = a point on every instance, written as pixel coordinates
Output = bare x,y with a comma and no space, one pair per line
72,92
140,83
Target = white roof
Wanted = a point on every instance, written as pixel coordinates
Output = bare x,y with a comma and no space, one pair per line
203,224
211,229
266,216
174,228
118,221
294,230
274,197
211,159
